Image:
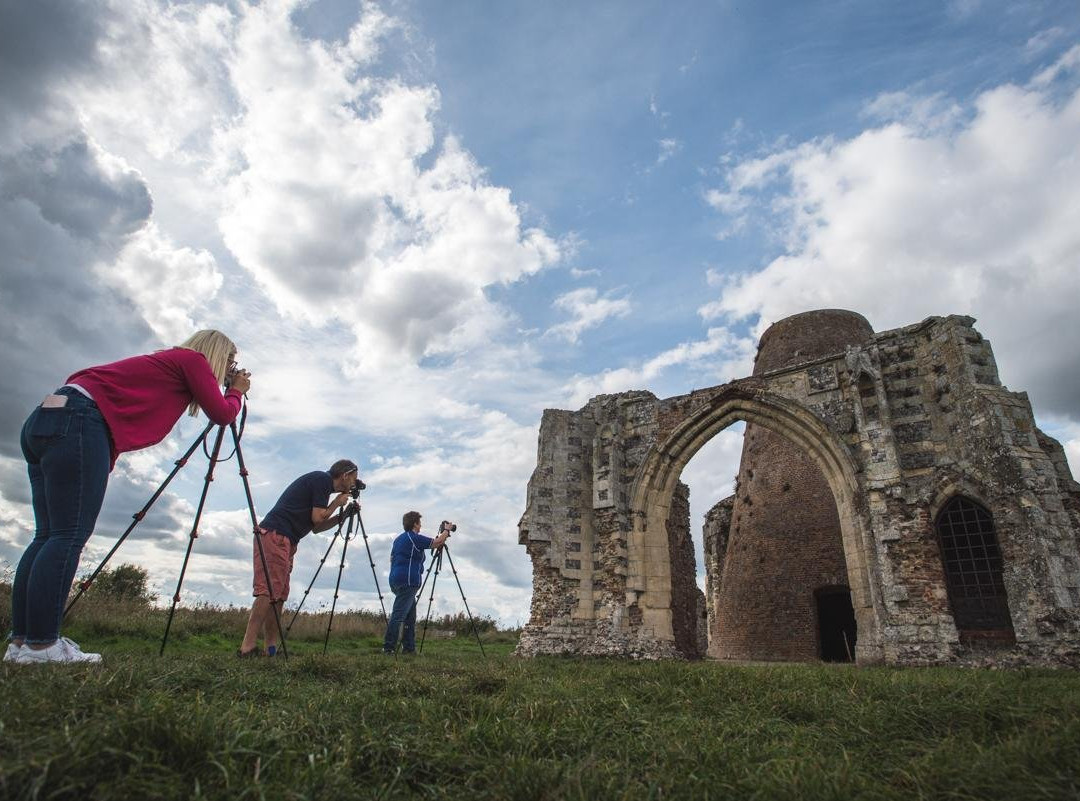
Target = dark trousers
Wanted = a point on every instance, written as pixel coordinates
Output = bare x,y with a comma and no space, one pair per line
403,617
68,457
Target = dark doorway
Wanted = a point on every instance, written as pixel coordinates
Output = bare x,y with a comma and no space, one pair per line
836,624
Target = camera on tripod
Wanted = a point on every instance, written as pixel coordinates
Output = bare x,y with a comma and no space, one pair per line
447,526
358,485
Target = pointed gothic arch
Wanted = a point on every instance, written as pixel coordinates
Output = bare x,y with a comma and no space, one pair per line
648,577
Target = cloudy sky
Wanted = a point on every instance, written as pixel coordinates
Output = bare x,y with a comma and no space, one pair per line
425,222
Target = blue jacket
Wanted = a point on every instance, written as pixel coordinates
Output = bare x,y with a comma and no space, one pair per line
407,558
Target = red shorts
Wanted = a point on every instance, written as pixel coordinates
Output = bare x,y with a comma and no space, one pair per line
279,551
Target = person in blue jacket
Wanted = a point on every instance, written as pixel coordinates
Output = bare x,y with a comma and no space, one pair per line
406,566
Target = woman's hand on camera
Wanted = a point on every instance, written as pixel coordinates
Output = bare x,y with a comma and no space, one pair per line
240,380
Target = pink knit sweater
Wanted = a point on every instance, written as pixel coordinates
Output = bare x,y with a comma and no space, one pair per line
141,398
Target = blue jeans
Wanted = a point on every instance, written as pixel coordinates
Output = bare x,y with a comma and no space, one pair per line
403,616
68,458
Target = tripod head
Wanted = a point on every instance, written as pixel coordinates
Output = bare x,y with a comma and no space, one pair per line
348,512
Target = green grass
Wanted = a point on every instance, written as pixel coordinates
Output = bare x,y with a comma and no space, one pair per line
199,723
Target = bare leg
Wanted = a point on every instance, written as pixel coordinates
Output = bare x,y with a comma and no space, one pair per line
256,622
270,626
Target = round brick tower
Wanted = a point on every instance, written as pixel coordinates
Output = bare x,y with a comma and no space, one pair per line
783,590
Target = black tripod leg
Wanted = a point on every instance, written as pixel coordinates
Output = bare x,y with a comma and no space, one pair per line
437,562
254,530
312,584
472,622
138,516
341,569
194,534
374,573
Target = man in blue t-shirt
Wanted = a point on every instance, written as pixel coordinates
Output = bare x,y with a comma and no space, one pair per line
406,565
303,507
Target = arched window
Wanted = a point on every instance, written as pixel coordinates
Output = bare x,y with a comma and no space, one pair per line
973,571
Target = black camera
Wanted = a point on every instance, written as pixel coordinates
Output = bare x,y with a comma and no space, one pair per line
229,376
446,525
358,485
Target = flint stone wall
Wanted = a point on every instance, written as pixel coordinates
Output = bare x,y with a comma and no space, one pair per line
898,427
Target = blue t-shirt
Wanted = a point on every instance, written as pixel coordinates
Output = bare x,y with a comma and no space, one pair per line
407,558
291,514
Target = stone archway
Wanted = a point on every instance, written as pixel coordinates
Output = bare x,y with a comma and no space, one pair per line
648,580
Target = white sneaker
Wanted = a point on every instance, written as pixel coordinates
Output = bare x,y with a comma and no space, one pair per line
63,650
12,652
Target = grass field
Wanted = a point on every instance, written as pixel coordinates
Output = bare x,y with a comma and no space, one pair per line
199,723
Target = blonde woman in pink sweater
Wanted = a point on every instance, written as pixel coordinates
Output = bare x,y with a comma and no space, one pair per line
71,442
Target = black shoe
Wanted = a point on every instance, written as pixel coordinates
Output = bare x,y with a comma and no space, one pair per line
254,652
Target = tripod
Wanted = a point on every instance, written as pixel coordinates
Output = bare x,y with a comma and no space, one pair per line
347,514
436,565
212,455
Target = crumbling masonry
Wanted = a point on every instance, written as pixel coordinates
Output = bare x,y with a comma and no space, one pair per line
895,504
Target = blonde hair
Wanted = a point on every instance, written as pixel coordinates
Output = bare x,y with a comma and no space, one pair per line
218,350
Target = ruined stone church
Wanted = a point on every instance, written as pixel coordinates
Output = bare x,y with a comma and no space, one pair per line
894,504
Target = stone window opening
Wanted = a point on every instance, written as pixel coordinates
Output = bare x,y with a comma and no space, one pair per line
974,574
837,631
868,398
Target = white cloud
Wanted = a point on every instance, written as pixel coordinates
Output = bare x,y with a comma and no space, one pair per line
668,148
1065,65
500,456
928,114
168,285
710,474
1066,432
909,220
332,194
320,177
737,362
588,310
162,89
1072,452
1043,41
656,111
685,68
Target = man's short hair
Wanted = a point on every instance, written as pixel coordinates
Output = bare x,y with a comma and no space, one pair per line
409,520
341,467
